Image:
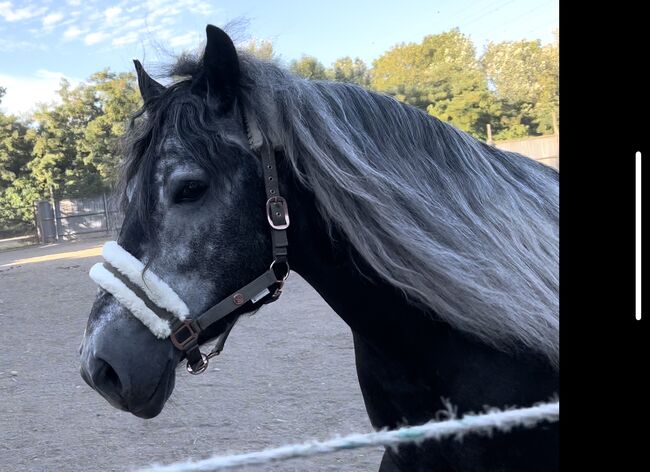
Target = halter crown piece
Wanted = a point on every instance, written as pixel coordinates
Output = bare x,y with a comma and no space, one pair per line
162,310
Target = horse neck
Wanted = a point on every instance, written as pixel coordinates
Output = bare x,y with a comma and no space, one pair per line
390,328
374,310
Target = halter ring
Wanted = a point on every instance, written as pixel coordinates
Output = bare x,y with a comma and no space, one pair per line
285,276
201,369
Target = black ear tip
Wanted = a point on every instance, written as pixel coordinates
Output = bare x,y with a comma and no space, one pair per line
137,64
213,31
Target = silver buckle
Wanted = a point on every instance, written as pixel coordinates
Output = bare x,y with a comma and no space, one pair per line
285,212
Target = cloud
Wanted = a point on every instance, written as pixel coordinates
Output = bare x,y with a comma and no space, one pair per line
117,22
197,6
128,38
134,23
9,45
112,13
94,38
72,32
52,19
48,74
10,14
24,93
191,37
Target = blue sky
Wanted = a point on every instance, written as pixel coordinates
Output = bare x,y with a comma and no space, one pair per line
44,40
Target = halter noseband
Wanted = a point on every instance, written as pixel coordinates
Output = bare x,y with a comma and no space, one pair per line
161,310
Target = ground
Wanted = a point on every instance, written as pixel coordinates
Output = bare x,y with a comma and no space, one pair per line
287,375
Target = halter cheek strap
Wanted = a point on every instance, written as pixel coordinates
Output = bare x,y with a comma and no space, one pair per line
163,311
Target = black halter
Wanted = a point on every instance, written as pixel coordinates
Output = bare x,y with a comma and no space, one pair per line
267,287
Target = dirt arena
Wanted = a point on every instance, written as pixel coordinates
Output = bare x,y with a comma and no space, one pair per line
287,375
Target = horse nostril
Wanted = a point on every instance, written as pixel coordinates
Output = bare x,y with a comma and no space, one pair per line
106,379
112,378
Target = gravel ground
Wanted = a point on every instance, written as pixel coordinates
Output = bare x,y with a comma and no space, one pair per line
287,375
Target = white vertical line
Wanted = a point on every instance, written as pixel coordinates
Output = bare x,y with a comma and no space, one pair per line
638,238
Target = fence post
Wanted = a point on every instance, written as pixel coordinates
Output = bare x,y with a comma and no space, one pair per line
56,221
108,220
37,229
489,135
47,221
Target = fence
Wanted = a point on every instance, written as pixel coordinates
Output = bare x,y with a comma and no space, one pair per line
545,149
73,217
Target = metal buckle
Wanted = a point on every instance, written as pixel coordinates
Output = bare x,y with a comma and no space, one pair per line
284,212
189,340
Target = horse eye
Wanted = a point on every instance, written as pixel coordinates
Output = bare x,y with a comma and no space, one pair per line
190,191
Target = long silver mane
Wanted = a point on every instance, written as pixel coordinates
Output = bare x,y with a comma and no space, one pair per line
469,231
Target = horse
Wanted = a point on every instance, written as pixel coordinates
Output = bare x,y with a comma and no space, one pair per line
440,252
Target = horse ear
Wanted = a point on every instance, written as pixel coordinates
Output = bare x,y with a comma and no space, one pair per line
221,68
149,88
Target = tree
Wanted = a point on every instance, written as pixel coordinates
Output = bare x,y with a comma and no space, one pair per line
345,69
118,98
261,49
71,149
57,165
15,148
16,191
16,206
75,151
440,75
525,76
308,67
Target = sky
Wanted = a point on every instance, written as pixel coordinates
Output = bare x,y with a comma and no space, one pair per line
43,41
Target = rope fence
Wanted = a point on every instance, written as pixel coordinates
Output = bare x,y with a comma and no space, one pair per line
456,427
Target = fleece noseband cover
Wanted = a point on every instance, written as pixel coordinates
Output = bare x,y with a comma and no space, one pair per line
122,275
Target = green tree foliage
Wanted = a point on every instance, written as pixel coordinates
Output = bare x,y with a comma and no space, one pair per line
75,150
70,149
118,98
525,76
442,76
261,48
15,148
308,67
353,71
17,191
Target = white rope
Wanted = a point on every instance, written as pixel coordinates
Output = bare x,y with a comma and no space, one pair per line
484,423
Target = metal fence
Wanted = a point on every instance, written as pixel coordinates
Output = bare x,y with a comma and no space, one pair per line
72,218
